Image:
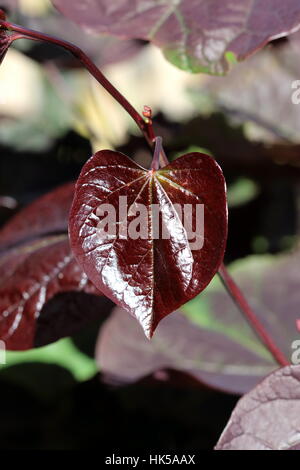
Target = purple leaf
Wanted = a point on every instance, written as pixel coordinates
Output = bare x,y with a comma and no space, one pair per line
46,215
105,50
268,417
43,291
195,35
150,276
265,106
67,313
46,267
124,355
214,336
271,286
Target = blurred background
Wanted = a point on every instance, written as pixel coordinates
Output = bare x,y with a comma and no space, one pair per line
53,116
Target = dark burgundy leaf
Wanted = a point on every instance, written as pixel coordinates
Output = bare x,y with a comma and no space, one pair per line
195,35
68,312
124,355
46,215
12,258
44,295
46,267
268,417
149,277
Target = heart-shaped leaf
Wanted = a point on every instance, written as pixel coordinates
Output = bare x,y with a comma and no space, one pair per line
195,35
268,417
154,270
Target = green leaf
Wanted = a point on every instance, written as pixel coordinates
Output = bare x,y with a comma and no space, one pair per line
62,353
241,191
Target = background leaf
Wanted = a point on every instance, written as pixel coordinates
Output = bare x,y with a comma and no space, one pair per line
270,284
124,355
46,215
268,417
198,36
43,291
211,340
63,353
47,269
258,94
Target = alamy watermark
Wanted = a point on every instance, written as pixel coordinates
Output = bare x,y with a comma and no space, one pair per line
2,352
157,221
295,357
295,98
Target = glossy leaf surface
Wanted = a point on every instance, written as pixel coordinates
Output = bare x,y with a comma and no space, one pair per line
47,267
42,286
149,277
195,35
268,417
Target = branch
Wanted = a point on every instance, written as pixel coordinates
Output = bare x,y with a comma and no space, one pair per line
239,299
144,125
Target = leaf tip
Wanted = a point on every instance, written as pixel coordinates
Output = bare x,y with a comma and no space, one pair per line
148,333
149,329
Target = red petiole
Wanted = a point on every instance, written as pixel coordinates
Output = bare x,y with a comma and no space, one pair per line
144,125
238,297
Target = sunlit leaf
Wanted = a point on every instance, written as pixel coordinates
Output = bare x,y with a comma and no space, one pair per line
150,275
